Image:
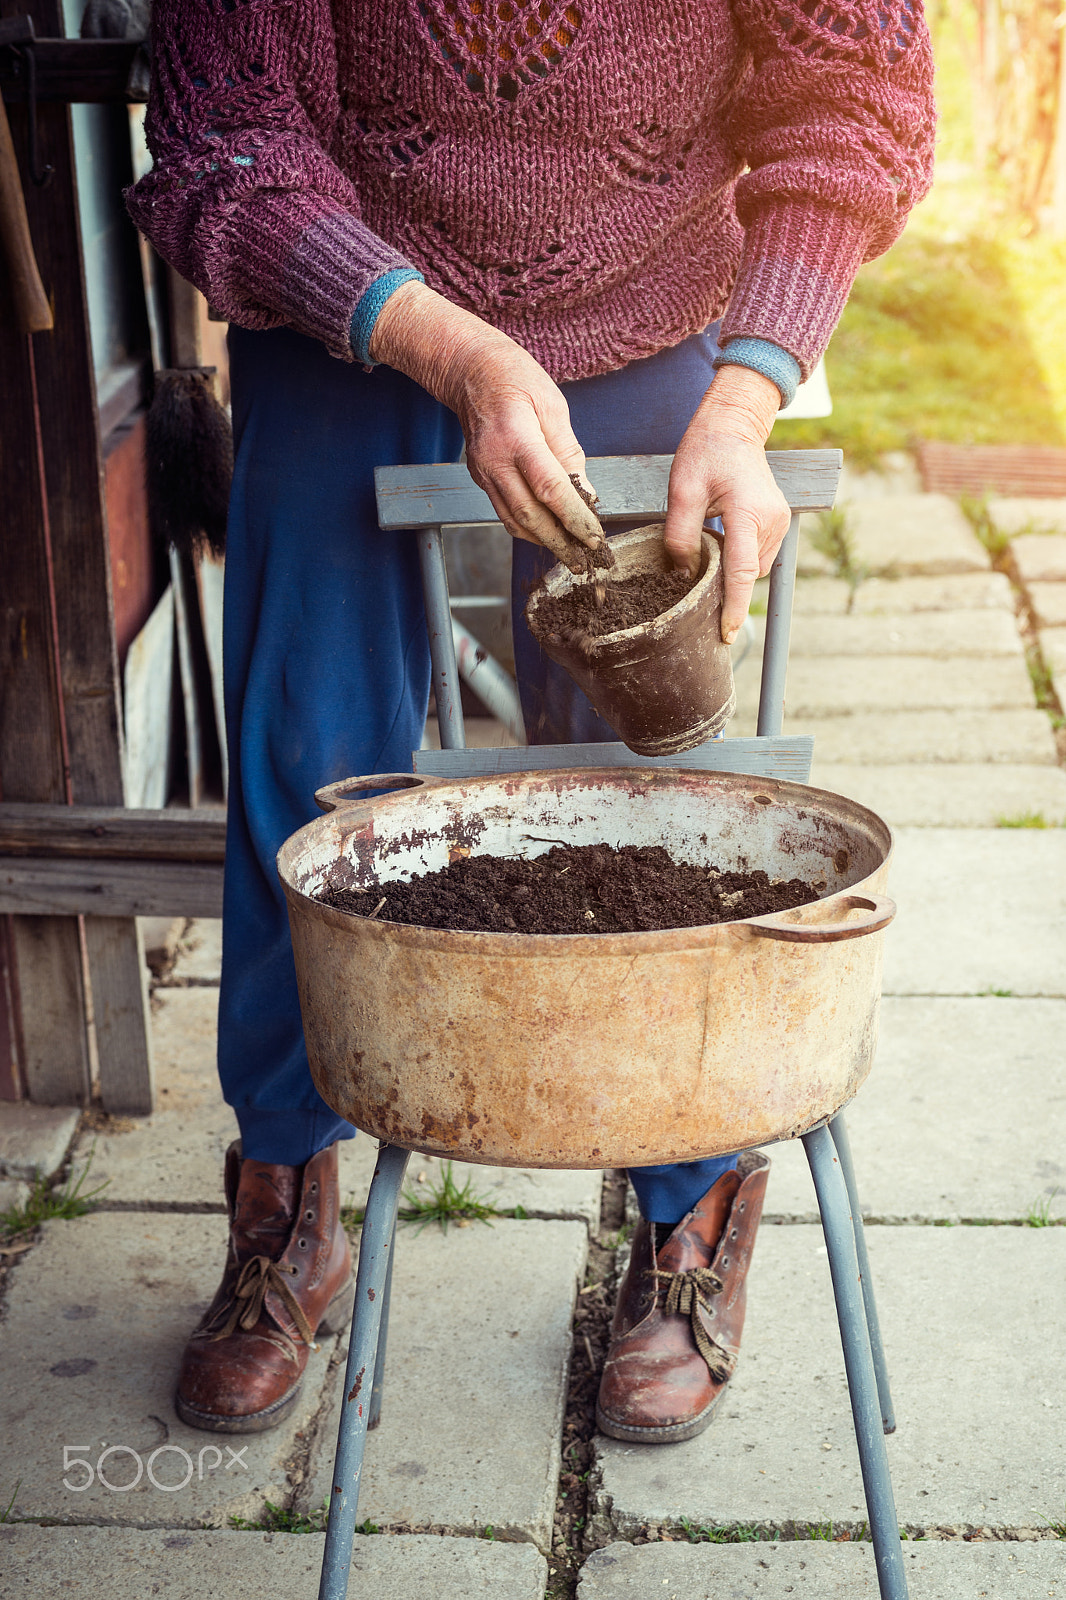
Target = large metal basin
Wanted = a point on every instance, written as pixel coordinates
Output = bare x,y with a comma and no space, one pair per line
591,1050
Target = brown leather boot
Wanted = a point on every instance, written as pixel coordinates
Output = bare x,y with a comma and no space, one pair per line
676,1333
288,1276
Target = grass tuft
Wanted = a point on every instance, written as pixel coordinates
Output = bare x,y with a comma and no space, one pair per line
446,1202
1039,1213
46,1204
726,1533
1025,819
830,533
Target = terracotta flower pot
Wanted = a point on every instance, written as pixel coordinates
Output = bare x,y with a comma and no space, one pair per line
665,685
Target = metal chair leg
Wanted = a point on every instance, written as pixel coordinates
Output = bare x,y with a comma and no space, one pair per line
835,1208
383,1339
379,1226
838,1128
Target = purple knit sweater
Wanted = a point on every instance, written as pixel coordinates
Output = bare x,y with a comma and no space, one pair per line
599,179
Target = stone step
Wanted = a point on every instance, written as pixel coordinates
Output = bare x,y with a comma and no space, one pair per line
174,1157
980,1412
819,1570
34,1140
844,685
1012,738
98,1313
913,534
929,1129
1053,648
1049,602
128,1564
1014,514
1041,558
970,591
940,634
946,796
979,910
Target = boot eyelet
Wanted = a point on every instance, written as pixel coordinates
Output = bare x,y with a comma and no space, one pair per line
725,1261
312,1188
742,1205
301,1244
309,1216
733,1234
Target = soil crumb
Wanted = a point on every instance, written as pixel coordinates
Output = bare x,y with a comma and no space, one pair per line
592,888
589,610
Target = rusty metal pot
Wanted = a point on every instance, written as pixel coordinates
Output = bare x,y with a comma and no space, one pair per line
590,1050
665,685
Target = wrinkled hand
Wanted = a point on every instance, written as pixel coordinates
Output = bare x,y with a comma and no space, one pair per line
520,447
720,469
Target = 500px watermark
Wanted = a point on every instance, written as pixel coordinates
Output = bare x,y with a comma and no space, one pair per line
106,1468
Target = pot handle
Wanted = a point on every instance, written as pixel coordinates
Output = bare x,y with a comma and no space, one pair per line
346,791
789,925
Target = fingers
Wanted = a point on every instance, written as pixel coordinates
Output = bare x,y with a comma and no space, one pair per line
524,519
742,564
687,506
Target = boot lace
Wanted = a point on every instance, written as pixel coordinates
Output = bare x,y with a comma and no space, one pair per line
257,1277
686,1292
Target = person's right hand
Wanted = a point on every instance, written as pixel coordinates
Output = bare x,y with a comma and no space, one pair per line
520,447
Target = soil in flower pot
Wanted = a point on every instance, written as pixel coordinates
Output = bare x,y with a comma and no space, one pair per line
594,888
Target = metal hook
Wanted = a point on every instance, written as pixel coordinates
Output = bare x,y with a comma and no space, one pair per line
38,175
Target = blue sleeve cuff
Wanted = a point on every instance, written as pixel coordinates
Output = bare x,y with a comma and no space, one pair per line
769,359
368,310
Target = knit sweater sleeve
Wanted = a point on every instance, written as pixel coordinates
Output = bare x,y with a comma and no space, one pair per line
835,124
244,199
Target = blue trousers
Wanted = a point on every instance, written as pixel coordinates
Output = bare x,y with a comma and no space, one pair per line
327,667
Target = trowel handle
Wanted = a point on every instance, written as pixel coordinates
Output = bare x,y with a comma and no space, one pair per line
791,926
31,303
347,790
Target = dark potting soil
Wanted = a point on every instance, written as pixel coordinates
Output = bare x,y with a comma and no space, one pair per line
592,888
607,606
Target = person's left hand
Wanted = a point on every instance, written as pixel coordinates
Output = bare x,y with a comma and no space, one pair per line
720,469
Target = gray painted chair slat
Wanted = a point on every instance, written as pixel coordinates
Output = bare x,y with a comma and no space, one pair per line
781,757
628,486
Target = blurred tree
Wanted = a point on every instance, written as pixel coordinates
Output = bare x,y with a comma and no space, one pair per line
1015,51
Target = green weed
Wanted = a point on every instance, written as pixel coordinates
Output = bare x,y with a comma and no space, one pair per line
831,535
726,1533
446,1202
277,1520
975,509
1057,1528
5,1514
1000,994
1025,819
46,1204
1039,1213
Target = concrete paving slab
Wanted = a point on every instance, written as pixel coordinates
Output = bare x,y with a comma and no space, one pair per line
34,1140
964,591
127,1564
972,1321
896,473
565,1195
979,910
937,634
199,956
915,535
97,1316
820,1570
1041,558
846,685
945,796
479,1345
1049,603
171,1160
962,1117
816,596
1010,738
1016,513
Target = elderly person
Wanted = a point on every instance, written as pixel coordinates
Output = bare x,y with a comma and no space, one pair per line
542,228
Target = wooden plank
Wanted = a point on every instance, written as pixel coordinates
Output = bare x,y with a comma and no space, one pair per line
82,570
628,486
35,886
48,967
781,757
127,1078
83,71
99,832
194,749
44,964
